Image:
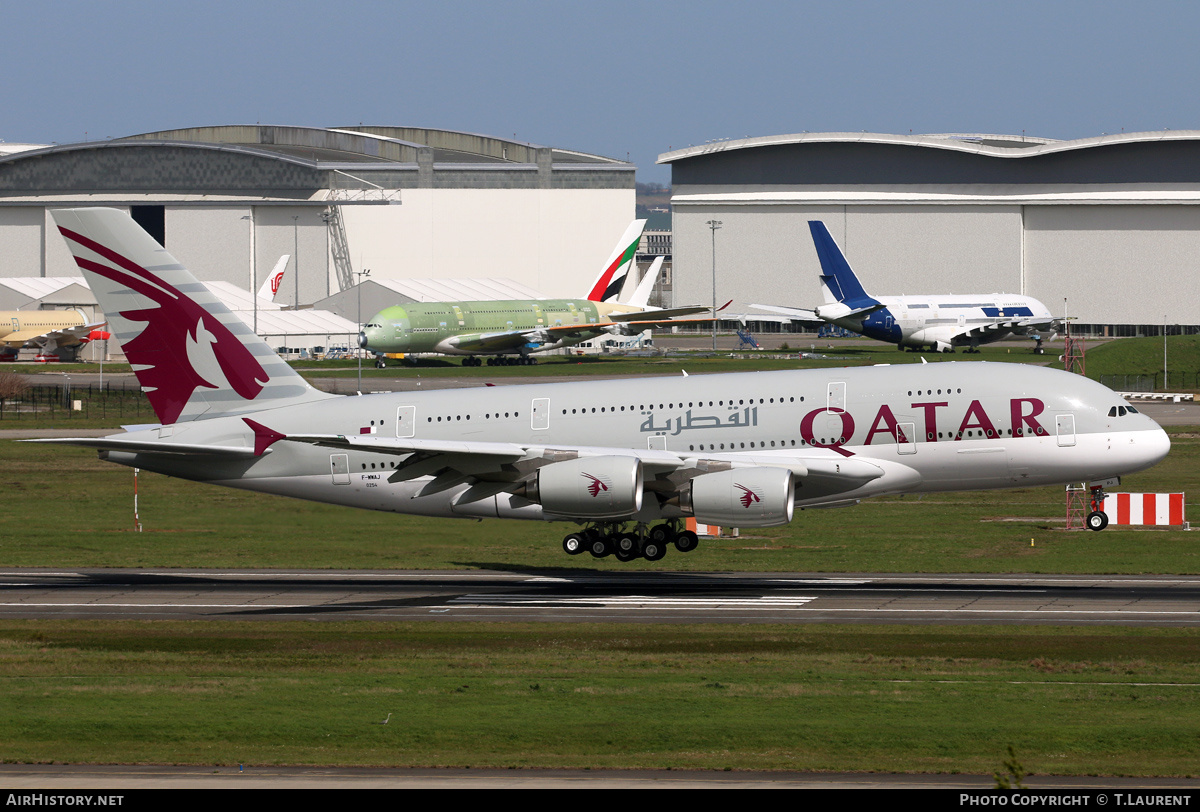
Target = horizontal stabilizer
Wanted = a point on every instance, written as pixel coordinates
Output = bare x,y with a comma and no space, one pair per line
151,447
845,310
792,312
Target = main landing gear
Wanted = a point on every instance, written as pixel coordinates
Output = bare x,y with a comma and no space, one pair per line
505,360
642,542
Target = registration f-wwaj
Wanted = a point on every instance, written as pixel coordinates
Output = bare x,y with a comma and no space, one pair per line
627,461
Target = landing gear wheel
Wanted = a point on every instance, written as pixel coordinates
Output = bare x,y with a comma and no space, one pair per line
663,534
599,547
574,544
654,550
1097,520
626,543
686,541
379,363
625,555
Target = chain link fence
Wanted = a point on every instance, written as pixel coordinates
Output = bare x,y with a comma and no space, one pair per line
32,403
1173,382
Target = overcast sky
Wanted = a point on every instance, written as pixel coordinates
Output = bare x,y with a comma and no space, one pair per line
622,79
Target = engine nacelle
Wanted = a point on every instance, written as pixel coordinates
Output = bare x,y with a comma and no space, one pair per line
743,497
590,487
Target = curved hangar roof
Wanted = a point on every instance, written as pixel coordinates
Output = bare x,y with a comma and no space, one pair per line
807,159
297,163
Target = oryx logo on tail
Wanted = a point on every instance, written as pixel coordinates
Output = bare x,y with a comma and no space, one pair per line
178,334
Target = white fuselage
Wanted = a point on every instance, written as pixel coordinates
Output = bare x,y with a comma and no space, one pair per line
944,321
899,429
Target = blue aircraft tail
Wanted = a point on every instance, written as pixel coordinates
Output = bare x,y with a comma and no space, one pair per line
836,274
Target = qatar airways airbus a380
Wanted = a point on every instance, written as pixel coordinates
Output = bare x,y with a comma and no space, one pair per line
627,461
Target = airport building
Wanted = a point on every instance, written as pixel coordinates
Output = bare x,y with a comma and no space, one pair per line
403,202
1105,229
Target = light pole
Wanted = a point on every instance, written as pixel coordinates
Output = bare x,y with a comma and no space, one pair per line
253,270
358,292
296,253
714,225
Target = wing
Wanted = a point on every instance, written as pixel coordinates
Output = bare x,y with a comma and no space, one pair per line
19,338
660,315
663,316
512,340
74,335
1015,326
65,337
490,468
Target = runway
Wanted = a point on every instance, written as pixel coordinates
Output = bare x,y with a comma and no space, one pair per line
574,596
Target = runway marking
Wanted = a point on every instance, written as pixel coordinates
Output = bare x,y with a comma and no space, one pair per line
630,600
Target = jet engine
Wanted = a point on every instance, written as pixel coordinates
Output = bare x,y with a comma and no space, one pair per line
742,497
589,487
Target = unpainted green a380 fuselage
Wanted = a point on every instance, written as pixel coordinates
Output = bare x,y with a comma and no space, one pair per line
485,327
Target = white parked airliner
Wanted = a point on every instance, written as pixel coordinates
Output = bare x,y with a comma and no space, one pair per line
628,461
939,322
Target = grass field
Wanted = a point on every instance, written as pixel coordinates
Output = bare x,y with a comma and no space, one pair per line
898,699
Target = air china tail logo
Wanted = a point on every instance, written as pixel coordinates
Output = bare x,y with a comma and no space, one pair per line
748,497
276,280
596,486
178,335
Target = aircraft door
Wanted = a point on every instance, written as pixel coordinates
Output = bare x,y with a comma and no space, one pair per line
406,421
540,414
339,466
836,399
1065,426
906,438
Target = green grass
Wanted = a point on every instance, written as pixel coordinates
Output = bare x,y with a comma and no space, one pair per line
1143,356
901,699
192,525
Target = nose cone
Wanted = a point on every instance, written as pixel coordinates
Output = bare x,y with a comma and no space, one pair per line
1150,447
387,331
370,338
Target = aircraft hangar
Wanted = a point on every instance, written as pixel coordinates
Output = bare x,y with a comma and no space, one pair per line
403,202
1105,229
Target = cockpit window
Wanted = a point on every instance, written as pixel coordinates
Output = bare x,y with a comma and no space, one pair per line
1132,410
1120,411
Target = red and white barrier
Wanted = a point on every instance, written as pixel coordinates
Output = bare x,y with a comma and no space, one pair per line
1145,508
702,530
